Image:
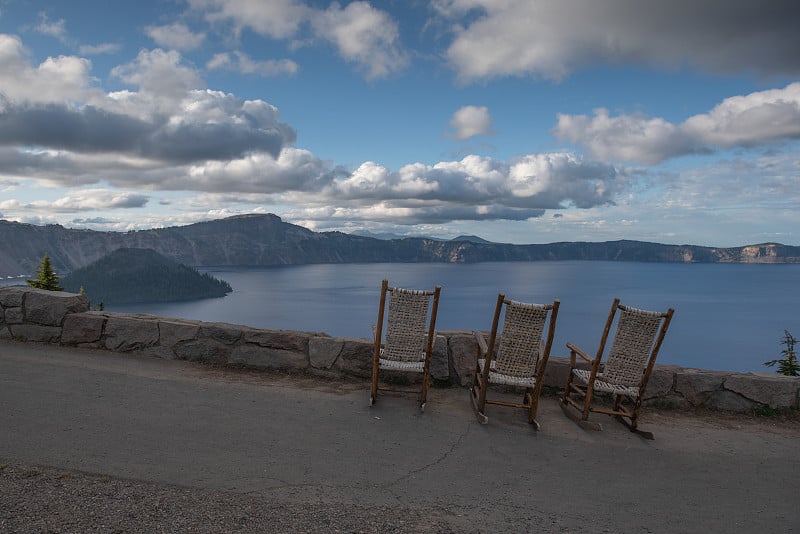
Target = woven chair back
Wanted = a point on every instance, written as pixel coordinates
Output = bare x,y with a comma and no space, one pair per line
633,344
521,339
407,325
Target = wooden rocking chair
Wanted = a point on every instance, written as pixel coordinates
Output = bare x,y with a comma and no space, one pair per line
520,358
409,335
625,373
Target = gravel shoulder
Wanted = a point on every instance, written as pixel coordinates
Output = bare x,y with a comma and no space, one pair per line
42,499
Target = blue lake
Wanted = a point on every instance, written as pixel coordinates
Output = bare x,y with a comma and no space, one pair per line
727,316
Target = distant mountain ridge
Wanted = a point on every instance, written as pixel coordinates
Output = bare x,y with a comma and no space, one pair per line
264,240
471,238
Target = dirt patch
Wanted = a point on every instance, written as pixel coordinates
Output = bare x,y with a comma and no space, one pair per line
786,423
299,379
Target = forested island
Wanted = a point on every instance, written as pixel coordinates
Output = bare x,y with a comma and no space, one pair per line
131,275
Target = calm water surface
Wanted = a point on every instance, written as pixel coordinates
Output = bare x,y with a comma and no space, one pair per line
728,317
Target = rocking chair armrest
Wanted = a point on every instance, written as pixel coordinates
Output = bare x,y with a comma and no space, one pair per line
484,348
573,350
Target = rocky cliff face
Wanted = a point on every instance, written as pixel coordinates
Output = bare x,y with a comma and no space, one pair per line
262,240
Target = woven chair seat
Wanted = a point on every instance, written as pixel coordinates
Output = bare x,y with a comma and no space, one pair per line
508,380
397,365
604,386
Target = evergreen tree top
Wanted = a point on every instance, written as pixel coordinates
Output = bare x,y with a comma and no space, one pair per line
46,278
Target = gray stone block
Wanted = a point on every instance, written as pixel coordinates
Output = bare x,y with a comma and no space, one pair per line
124,334
203,350
252,355
82,328
464,357
729,401
696,386
11,297
222,332
283,339
662,381
5,333
35,332
775,391
323,351
440,362
50,307
14,316
170,333
556,372
355,358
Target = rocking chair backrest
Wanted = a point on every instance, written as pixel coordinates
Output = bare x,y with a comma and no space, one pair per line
521,339
634,344
407,324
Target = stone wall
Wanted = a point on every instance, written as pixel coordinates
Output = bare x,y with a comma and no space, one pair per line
28,314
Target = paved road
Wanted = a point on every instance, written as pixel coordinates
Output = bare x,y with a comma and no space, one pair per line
298,439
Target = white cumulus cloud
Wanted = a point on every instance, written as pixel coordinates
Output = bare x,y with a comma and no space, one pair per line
243,63
278,19
159,72
103,48
56,79
93,199
176,36
55,29
471,121
551,39
361,34
755,119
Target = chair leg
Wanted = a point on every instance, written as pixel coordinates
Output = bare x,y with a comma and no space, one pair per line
637,405
532,400
633,428
373,397
587,402
534,404
567,402
633,425
424,395
567,388
477,395
579,414
482,419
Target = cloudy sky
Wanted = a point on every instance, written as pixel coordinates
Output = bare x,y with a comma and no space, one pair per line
519,121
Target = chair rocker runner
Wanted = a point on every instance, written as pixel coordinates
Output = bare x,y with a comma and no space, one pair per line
410,335
517,357
625,373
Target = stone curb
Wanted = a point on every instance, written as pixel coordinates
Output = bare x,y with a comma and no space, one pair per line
28,314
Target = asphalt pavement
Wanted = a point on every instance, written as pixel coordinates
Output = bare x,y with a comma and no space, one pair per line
298,438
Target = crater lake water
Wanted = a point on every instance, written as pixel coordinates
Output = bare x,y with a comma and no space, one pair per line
727,316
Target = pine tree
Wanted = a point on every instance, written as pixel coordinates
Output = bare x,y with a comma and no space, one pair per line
788,365
46,278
